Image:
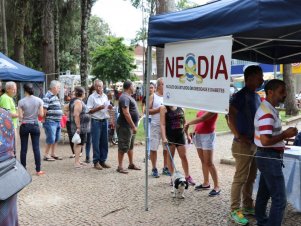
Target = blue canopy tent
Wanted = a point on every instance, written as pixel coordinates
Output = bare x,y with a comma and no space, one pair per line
13,71
266,31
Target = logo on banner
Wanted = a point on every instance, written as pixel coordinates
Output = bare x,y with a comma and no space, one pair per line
5,64
190,70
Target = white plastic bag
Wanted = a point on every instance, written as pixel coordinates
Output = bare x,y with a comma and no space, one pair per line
76,138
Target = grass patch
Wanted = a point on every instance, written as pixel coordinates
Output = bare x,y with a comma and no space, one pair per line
221,124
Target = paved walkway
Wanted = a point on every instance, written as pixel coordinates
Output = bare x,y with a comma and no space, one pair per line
67,196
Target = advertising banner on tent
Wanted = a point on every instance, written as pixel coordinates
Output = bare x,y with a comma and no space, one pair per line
197,74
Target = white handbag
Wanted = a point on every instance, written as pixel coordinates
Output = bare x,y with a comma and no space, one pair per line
76,138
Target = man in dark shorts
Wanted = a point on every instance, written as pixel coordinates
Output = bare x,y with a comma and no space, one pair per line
127,123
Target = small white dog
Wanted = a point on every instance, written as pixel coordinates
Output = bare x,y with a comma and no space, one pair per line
179,185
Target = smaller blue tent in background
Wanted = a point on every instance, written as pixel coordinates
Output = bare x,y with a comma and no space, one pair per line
13,71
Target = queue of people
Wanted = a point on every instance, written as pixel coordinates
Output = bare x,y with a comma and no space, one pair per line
257,144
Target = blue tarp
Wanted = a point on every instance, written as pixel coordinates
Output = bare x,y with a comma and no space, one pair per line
238,70
266,31
13,71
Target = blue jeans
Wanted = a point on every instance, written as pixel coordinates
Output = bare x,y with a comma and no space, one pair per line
88,145
99,140
34,131
272,185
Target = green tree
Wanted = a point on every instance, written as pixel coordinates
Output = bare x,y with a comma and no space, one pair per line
185,4
21,11
86,6
4,30
113,61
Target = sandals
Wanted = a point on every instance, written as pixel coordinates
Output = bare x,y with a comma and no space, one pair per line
56,157
133,167
121,170
47,158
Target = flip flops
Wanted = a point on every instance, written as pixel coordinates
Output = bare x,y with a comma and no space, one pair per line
121,170
56,157
134,167
47,158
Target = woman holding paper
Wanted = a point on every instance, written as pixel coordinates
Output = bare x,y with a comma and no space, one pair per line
80,122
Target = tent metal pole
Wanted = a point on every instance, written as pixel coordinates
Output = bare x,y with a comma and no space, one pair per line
149,72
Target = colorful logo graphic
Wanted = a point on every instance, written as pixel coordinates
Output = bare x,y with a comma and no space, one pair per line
190,70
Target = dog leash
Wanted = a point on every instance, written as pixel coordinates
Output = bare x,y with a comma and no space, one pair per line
173,163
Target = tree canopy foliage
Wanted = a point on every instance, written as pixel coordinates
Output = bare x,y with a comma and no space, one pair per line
69,19
113,61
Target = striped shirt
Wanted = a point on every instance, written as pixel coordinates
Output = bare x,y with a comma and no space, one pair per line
267,122
53,106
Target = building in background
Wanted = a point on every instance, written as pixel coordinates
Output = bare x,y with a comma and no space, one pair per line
140,59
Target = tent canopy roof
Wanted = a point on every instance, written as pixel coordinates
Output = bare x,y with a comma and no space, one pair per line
13,71
267,31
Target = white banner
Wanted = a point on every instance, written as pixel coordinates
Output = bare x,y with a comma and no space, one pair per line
197,74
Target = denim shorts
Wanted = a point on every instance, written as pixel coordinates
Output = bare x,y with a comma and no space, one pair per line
204,141
52,131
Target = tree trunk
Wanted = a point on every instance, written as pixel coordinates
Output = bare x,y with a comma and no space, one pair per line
4,31
56,40
163,6
48,53
290,101
86,6
21,11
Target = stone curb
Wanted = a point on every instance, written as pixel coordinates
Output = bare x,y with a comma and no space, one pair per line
291,120
228,161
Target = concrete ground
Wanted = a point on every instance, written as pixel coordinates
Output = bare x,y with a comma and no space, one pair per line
68,196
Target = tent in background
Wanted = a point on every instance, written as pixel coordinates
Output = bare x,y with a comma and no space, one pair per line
13,71
263,31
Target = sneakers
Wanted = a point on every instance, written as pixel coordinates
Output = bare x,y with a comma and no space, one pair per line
201,187
190,180
238,217
214,192
248,211
155,173
166,172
